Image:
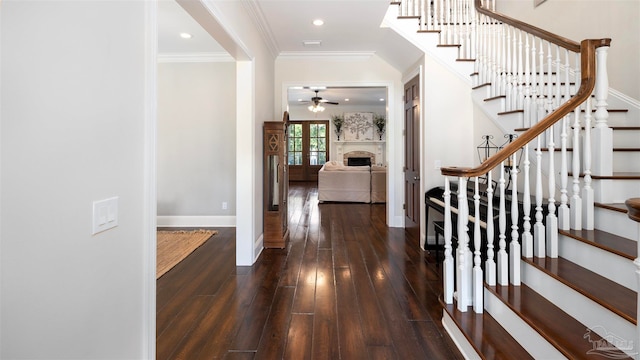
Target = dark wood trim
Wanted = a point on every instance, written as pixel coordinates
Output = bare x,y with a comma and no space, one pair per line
619,207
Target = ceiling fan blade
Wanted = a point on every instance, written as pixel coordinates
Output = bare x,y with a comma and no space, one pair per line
331,102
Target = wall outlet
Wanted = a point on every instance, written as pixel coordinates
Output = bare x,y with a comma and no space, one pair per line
224,205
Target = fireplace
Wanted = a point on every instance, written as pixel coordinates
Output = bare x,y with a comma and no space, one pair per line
359,158
359,161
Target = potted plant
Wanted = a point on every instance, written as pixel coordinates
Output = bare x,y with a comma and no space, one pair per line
337,120
379,121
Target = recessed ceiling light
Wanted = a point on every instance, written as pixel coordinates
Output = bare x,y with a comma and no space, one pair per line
381,99
186,35
318,22
346,99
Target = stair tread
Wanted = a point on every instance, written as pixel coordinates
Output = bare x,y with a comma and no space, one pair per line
611,295
606,241
615,175
560,329
619,207
486,335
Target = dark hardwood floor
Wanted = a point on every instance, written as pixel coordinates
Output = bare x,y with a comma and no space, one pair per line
347,287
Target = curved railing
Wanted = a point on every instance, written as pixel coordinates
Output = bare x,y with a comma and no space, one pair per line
550,84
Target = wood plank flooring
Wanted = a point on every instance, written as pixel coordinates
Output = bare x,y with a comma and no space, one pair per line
347,287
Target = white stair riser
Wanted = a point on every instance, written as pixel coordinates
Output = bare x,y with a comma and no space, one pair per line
609,265
626,161
609,191
626,138
528,338
623,161
616,223
593,315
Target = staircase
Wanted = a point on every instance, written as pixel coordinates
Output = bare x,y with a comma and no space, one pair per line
562,285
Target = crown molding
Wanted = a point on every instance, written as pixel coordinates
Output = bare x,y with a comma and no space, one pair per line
195,58
255,11
327,55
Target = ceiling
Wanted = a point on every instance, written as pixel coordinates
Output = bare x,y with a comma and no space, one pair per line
351,27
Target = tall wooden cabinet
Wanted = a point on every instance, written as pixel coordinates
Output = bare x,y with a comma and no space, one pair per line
276,184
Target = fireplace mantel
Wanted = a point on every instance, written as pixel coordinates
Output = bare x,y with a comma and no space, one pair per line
374,147
362,142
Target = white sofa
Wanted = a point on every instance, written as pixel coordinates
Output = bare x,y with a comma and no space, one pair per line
340,183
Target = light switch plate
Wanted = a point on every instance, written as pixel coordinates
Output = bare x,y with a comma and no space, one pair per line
105,214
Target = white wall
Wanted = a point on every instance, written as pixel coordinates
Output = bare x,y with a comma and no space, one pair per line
592,19
366,71
72,118
196,143
448,132
232,26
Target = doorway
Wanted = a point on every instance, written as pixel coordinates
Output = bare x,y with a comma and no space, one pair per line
412,156
308,149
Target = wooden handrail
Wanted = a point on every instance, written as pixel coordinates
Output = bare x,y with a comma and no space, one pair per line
633,205
588,75
544,34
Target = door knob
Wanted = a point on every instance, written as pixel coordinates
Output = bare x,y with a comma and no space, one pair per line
416,178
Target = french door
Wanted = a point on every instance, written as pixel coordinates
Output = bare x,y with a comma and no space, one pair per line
308,149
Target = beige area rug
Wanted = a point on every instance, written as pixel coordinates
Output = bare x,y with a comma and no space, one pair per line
174,246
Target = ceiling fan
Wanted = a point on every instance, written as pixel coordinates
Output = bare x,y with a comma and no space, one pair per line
317,102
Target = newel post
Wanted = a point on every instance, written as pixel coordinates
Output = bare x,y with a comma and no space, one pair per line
602,135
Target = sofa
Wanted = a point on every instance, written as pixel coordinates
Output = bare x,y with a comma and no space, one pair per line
340,183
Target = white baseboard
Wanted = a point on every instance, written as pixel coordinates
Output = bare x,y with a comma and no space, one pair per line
192,221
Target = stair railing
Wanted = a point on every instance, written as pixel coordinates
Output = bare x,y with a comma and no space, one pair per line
550,80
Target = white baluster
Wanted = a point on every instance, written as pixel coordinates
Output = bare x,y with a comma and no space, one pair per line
527,237
427,10
447,9
563,210
478,288
448,268
514,70
576,201
587,190
552,220
503,260
423,15
538,227
490,264
508,86
514,246
541,103
463,286
526,91
533,108
520,98
549,86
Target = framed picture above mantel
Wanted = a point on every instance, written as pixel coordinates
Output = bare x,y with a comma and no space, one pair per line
358,126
